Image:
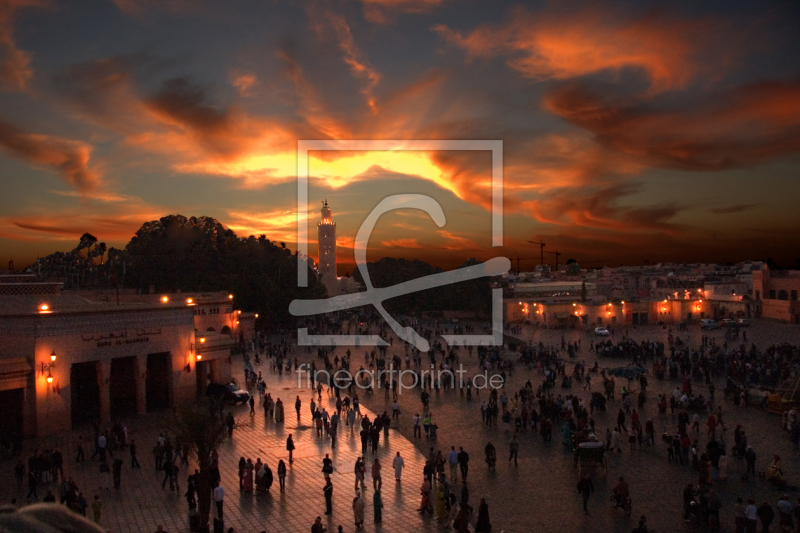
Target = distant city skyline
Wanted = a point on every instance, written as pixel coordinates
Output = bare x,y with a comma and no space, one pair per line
631,131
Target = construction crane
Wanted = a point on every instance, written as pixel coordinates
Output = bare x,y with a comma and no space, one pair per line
557,254
541,250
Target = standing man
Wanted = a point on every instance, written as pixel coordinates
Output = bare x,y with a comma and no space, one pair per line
219,498
290,447
134,461
328,491
398,463
452,460
463,462
297,405
334,427
585,487
513,449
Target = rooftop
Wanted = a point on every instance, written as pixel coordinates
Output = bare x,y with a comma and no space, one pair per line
102,301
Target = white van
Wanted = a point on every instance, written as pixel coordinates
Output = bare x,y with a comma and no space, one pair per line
708,323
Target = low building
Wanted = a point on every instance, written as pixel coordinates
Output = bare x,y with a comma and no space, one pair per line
73,357
775,295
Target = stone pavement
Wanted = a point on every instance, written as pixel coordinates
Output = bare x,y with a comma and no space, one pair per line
540,494
141,504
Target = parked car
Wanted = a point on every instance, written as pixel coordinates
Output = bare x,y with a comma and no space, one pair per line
743,322
727,322
228,393
602,331
708,323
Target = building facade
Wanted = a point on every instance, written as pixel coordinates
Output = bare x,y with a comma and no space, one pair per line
775,295
72,358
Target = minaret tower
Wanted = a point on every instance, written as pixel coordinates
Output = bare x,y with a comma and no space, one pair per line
326,238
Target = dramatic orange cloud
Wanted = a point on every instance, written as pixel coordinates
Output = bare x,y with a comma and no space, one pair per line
401,243
276,224
563,45
354,57
70,159
15,64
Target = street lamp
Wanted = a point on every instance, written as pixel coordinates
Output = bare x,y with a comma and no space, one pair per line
47,367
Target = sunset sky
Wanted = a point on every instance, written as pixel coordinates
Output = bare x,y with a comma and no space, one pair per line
632,131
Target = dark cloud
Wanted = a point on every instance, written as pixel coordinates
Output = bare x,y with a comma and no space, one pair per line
746,126
187,104
599,208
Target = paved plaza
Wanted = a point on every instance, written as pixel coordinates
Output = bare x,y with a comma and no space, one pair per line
140,505
537,495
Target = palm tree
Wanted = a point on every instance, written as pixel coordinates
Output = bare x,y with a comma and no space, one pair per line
86,241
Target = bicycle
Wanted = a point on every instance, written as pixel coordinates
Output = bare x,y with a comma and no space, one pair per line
625,503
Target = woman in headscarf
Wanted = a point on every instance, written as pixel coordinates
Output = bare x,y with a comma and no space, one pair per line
358,509
278,410
377,503
441,504
775,472
247,477
483,525
268,478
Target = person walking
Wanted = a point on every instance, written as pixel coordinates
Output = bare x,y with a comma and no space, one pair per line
483,525
376,475
463,463
513,449
219,499
328,491
297,405
132,449
397,464
785,509
452,460
290,447
282,474
377,504
358,510
585,488
97,509
32,484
